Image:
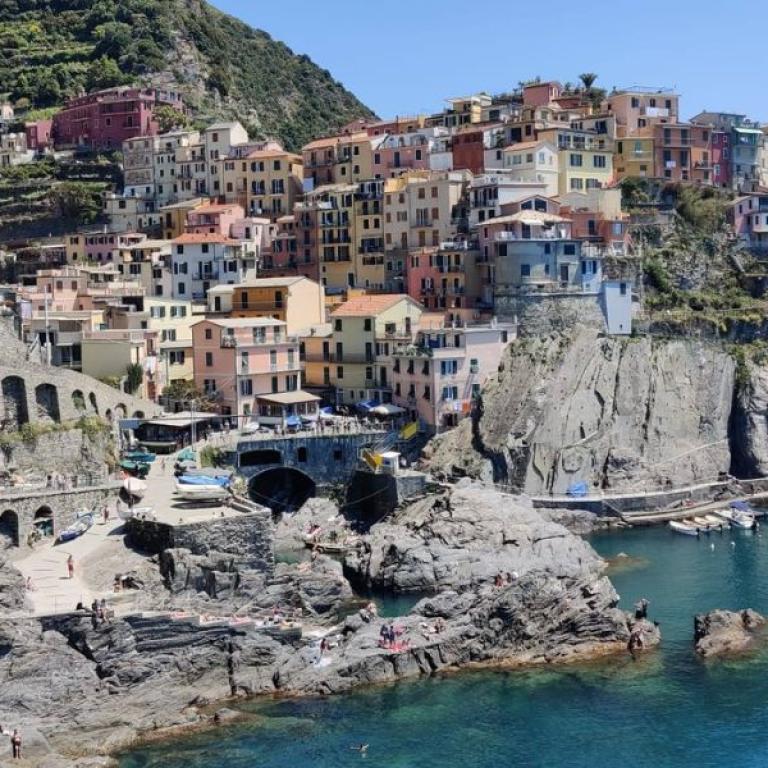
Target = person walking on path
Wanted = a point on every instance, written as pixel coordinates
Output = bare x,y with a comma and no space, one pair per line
71,566
16,745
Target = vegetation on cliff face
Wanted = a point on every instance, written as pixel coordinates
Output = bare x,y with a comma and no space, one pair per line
55,49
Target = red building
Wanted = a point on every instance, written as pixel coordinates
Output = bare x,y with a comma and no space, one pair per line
721,158
104,119
468,150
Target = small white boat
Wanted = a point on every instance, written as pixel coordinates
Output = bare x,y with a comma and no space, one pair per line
738,518
134,487
687,529
201,492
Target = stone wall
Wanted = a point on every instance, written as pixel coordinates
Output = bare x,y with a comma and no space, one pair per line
247,537
327,459
371,497
21,509
78,457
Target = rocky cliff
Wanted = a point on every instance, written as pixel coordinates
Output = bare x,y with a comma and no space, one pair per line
616,413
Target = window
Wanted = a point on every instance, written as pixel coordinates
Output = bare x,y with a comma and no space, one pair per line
367,324
337,325
569,249
182,289
246,387
209,359
623,289
577,184
576,160
208,333
427,392
598,161
176,357
525,270
339,372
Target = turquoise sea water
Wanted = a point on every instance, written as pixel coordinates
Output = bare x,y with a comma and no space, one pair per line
666,709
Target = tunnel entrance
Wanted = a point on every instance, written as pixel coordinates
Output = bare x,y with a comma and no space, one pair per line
282,489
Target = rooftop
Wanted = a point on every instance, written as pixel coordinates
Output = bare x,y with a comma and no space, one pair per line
289,398
262,282
364,306
205,237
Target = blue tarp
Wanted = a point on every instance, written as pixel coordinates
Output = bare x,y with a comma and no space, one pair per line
577,489
327,409
293,421
204,480
366,405
742,506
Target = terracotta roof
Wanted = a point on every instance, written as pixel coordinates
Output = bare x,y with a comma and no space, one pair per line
204,237
328,141
364,306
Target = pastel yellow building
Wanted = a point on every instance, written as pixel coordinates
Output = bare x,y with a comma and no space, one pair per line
316,352
366,332
585,159
174,217
634,156
354,157
369,265
298,301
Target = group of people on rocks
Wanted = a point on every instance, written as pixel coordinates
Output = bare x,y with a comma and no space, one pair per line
504,579
390,638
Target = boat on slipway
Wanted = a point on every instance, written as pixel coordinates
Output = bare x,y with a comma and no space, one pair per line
739,514
83,523
201,492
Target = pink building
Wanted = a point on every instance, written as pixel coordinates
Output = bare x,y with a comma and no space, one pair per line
214,219
400,153
439,378
541,94
252,367
748,217
39,134
105,119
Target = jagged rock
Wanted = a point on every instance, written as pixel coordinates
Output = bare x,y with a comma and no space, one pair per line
722,632
12,591
463,539
290,530
577,521
613,412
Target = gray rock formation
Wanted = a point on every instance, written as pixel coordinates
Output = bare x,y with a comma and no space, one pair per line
719,633
463,539
12,592
290,530
617,413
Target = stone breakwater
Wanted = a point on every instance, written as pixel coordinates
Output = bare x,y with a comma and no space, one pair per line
76,689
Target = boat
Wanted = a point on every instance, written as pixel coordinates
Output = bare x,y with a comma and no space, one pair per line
209,472
201,492
221,480
134,487
144,457
140,469
686,528
78,528
738,517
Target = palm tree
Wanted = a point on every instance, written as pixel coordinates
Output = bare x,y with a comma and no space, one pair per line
588,78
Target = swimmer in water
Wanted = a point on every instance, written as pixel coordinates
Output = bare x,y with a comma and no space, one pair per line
361,748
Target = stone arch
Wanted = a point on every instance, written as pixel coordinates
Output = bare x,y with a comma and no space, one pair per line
9,528
260,458
78,400
138,415
15,401
43,520
47,400
282,489
120,411
92,401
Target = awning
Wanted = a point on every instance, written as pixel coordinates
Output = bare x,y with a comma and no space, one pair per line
289,398
387,409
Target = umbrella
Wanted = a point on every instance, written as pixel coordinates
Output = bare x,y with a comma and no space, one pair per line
134,486
387,409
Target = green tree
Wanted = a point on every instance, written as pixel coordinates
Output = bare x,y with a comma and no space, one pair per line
169,119
588,78
103,73
75,200
134,376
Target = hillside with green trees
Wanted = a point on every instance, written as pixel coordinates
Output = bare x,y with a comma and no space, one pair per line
54,49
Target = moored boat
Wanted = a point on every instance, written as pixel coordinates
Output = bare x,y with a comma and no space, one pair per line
201,492
737,517
683,527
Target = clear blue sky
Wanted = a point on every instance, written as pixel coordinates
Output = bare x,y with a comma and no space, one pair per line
406,56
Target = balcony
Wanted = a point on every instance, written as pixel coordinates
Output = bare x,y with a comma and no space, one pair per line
447,269
232,342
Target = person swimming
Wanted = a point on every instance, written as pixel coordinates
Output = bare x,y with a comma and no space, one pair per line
361,748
